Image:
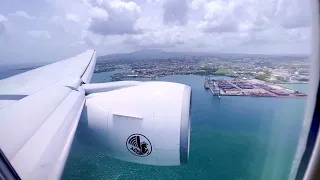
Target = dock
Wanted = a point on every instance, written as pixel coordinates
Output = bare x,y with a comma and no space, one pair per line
253,87
211,84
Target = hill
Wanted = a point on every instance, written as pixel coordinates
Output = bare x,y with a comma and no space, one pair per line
160,54
141,54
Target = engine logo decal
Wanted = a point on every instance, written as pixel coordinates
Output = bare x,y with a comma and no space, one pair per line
139,145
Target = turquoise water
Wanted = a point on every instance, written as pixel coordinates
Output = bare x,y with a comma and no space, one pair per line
232,138
299,87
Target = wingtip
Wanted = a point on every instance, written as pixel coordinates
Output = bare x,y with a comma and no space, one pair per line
91,50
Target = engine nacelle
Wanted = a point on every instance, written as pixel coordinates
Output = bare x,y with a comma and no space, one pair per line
146,123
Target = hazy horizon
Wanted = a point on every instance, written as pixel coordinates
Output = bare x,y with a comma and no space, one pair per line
52,29
14,64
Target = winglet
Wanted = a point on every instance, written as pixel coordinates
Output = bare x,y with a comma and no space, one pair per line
86,77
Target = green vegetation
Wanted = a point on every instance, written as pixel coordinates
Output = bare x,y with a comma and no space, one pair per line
206,72
280,78
214,71
267,73
222,71
263,77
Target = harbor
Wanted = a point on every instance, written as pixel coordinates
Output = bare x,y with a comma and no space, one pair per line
252,87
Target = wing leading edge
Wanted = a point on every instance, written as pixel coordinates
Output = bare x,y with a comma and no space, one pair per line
41,108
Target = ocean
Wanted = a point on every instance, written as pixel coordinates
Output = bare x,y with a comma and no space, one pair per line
232,138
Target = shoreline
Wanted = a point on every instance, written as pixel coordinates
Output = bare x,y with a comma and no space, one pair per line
186,74
293,97
158,76
295,83
252,88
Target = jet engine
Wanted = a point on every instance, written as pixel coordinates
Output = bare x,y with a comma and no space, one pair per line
141,122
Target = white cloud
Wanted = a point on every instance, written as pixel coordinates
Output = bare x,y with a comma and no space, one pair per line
164,38
72,17
232,16
22,14
39,34
56,20
196,4
248,15
91,39
2,29
111,26
99,13
2,18
99,2
78,43
115,18
175,12
152,1
2,26
293,13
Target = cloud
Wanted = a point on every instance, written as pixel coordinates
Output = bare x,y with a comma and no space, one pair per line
175,12
56,20
22,14
2,18
91,39
232,16
196,4
39,34
248,26
72,17
161,38
293,13
2,27
277,36
99,13
219,16
77,43
115,18
249,15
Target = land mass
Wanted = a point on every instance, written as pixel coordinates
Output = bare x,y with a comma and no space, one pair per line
152,63
253,87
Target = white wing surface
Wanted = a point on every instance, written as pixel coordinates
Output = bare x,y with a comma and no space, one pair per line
39,114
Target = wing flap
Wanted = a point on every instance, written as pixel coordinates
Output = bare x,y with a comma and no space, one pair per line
53,160
40,111
21,120
50,140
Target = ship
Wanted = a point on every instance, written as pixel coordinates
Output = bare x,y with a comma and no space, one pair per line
206,85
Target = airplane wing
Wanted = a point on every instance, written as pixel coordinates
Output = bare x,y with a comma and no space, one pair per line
39,114
40,111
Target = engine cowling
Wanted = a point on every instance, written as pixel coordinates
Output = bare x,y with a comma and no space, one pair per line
145,123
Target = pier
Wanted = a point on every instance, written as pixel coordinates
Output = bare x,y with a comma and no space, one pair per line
211,84
253,87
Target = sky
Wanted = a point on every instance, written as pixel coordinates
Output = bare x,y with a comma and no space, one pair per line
47,31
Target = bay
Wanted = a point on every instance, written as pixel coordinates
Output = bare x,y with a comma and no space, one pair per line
231,138
252,138
299,87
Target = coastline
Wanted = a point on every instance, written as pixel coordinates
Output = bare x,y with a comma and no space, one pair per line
252,87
